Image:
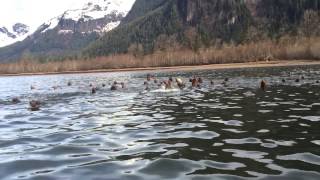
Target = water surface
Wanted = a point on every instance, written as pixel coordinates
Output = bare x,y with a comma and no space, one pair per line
232,131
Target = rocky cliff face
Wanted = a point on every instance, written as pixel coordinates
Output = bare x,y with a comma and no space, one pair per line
100,25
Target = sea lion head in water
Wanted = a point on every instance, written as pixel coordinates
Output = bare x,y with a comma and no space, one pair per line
113,87
34,105
168,84
15,100
149,77
211,82
194,82
122,85
263,85
93,90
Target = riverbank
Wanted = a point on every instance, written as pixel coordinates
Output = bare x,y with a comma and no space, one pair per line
258,64
292,51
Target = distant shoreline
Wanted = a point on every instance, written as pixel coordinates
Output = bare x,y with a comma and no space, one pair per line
279,63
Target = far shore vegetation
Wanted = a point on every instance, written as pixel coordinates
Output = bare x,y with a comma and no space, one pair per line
286,48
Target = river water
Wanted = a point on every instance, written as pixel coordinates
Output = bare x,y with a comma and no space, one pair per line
231,131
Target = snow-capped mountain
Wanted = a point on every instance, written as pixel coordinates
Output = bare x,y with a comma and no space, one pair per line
86,17
94,16
11,34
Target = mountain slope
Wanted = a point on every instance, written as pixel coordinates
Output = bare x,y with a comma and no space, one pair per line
141,8
193,24
64,35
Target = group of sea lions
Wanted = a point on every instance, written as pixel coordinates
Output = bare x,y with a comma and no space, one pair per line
170,83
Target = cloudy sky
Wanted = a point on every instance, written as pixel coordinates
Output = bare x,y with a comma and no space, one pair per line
33,12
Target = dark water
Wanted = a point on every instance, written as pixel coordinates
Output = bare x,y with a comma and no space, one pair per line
218,132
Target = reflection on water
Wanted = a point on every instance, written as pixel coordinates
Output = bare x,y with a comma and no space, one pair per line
232,131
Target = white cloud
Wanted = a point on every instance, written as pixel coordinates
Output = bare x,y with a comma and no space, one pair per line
33,12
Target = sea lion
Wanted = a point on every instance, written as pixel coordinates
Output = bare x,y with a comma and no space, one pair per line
34,105
263,85
15,100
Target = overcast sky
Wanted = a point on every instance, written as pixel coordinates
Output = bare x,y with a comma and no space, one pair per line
33,12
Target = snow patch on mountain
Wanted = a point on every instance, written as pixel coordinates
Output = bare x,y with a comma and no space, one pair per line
111,26
12,33
96,9
92,10
65,32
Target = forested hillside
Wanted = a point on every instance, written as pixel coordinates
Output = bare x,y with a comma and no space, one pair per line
172,24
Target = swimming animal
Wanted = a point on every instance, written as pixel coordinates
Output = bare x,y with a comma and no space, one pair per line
194,82
180,83
34,105
93,90
122,85
148,77
263,85
15,100
168,84
114,86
